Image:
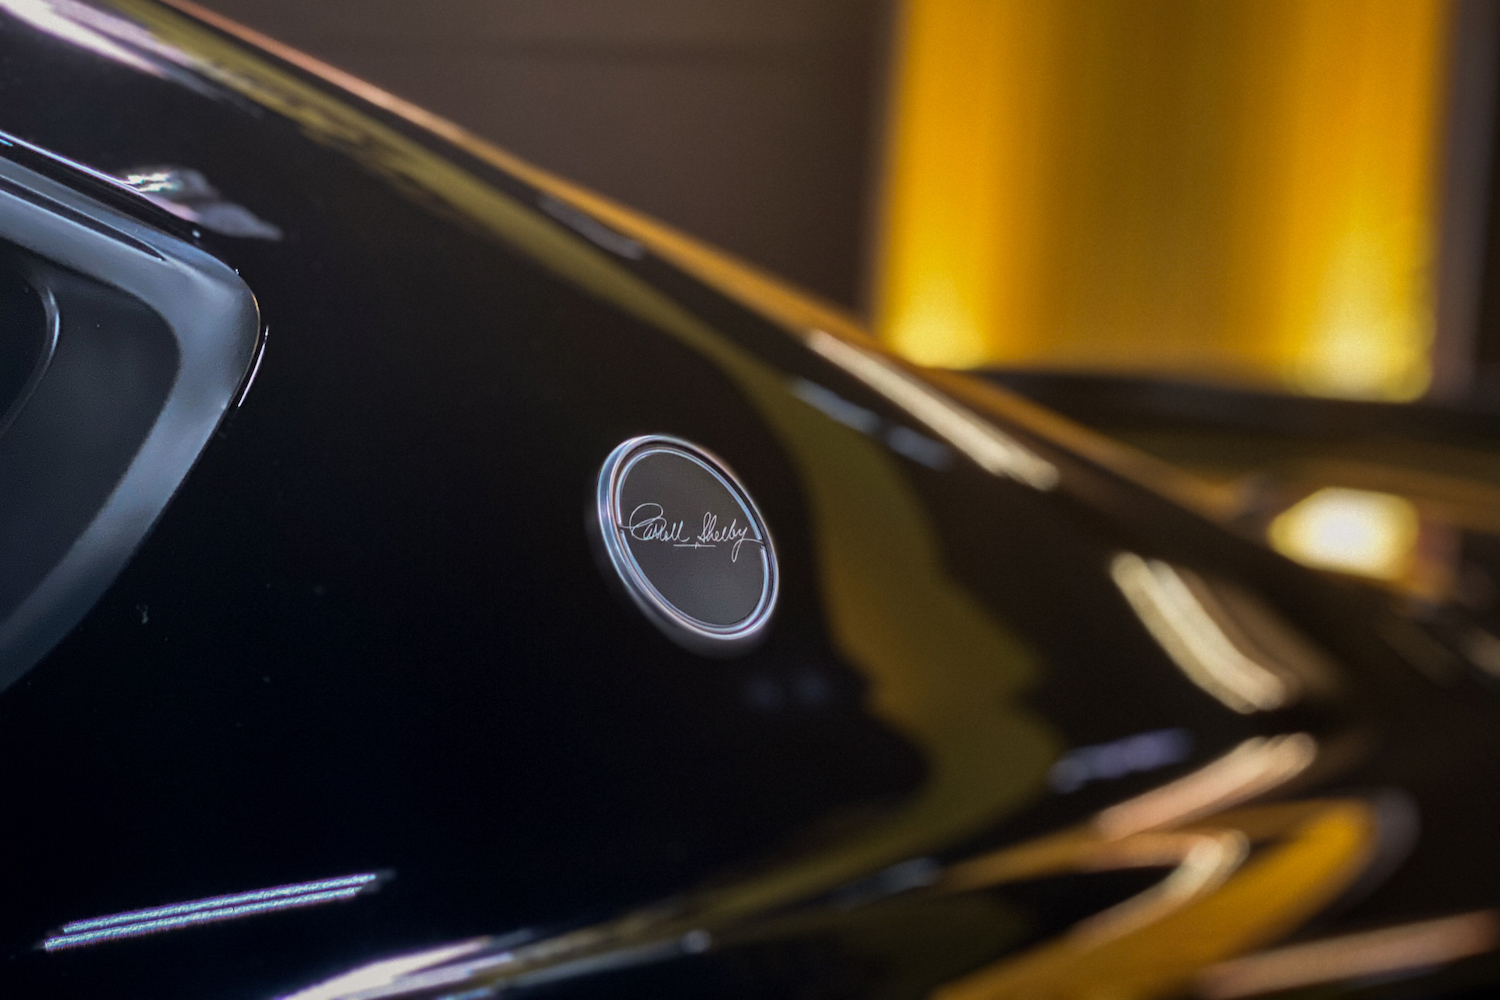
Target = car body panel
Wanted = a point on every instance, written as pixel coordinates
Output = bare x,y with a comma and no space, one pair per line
370,635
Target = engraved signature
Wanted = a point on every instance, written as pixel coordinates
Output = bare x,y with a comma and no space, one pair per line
648,523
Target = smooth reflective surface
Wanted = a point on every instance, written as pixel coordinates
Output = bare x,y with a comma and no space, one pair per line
371,633
204,911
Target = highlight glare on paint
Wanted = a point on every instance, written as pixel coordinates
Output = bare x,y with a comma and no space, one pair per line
1252,768
374,977
1350,531
1191,636
991,448
1389,951
135,923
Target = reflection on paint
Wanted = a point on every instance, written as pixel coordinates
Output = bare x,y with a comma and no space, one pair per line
68,21
1131,755
1350,531
591,229
1177,619
991,449
214,909
377,975
1385,952
1306,854
902,440
1319,846
109,36
1206,864
836,406
188,195
1483,650
941,671
1253,768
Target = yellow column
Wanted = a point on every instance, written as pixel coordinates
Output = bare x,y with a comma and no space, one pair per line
1238,190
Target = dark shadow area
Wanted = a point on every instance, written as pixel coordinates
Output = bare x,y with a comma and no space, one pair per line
749,125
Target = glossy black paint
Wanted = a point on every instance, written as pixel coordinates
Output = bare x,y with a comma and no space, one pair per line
369,632
144,343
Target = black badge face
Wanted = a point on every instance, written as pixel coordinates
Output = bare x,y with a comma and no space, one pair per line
688,543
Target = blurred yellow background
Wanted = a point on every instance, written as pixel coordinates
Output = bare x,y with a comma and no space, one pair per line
1242,191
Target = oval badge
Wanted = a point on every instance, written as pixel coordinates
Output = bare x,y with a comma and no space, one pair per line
688,543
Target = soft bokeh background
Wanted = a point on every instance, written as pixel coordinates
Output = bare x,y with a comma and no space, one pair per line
1292,195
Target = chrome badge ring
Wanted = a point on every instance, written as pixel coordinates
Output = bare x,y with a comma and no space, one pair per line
688,543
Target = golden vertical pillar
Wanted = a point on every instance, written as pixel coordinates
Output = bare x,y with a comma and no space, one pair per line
1236,190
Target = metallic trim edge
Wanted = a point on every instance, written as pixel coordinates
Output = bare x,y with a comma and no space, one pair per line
682,628
215,321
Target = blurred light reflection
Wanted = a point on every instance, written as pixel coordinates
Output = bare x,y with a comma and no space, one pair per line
108,35
188,195
902,440
1207,861
69,21
1350,531
1177,619
1255,766
991,449
1356,956
1131,755
383,973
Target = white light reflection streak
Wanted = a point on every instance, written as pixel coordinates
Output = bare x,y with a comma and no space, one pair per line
367,979
1384,952
56,18
990,448
135,923
1205,865
103,33
1257,765
1191,637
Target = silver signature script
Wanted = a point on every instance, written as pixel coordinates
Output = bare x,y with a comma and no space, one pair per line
648,523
